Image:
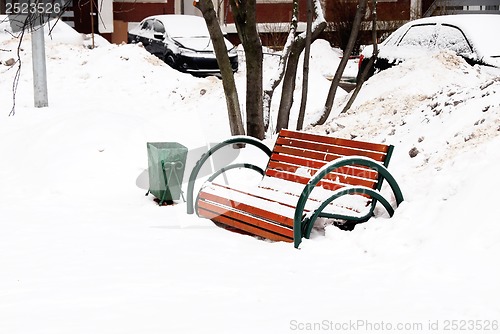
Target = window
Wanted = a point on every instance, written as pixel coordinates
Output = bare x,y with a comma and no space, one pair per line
158,27
420,35
147,25
452,38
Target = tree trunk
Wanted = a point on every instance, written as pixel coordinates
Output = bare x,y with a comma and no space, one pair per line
291,68
340,70
232,101
280,71
288,89
244,12
361,80
305,71
255,117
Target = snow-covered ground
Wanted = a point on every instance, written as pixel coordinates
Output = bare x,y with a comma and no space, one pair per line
84,251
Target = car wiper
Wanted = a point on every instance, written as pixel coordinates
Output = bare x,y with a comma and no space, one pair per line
191,36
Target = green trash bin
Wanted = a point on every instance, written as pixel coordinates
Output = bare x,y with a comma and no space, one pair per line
166,164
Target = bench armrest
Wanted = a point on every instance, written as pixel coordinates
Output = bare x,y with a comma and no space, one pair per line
233,140
298,228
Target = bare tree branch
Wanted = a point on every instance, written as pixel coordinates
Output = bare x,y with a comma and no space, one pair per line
363,75
17,76
280,71
228,83
305,72
347,52
244,14
297,47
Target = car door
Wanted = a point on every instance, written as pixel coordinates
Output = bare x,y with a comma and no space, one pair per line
145,33
157,42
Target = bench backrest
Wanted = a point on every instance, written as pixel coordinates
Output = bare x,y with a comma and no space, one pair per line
297,156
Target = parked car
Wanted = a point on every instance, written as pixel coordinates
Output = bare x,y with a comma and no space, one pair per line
182,41
472,36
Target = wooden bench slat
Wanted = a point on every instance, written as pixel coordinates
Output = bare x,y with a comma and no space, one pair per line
239,226
261,194
255,211
352,170
246,222
265,195
326,148
334,141
320,156
287,176
327,185
316,155
338,178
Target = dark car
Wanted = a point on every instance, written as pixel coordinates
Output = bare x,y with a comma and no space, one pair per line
471,36
182,41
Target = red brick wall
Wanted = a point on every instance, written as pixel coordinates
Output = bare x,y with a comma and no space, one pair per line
272,12
123,11
386,11
282,12
136,11
393,11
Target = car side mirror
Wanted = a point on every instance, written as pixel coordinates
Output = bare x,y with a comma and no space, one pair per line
159,36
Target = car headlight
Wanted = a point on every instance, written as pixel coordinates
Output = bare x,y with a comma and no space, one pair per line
187,52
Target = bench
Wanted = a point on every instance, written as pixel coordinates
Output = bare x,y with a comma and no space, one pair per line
308,176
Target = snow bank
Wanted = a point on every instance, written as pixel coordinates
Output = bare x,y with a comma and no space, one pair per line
83,250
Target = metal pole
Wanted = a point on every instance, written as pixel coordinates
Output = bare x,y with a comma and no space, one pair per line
92,22
39,67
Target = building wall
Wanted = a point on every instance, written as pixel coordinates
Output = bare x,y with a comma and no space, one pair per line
273,11
125,11
136,11
399,10
270,11
387,10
